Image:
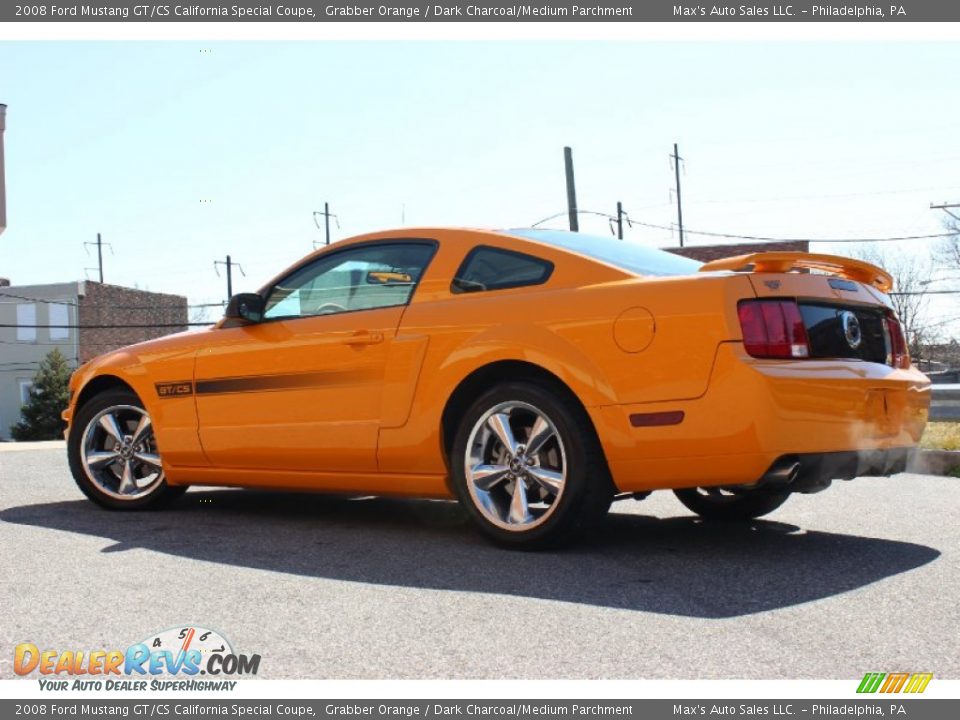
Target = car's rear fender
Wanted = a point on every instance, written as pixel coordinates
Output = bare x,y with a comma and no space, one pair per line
583,337
417,446
756,411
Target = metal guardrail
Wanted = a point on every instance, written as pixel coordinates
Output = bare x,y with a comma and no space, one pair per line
945,404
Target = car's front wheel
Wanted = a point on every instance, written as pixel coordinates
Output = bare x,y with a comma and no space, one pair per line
527,465
114,456
714,503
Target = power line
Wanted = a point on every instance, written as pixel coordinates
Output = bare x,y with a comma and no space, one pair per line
27,370
608,216
23,363
760,238
108,327
71,303
30,368
64,344
39,300
927,292
824,196
756,238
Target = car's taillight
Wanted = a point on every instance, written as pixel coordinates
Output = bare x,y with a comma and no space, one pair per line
899,357
773,329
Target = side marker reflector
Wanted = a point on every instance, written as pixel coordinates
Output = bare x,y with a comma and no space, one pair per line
674,417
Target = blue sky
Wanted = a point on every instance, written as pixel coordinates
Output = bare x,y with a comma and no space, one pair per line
182,152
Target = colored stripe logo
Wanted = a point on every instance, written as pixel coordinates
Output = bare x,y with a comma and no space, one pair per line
895,682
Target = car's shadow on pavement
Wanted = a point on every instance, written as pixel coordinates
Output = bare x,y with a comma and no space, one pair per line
676,566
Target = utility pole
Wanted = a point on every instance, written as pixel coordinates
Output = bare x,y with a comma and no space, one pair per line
229,265
100,257
326,222
676,167
99,243
571,190
947,207
619,220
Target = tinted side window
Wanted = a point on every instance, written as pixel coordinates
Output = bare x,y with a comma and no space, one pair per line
487,268
361,278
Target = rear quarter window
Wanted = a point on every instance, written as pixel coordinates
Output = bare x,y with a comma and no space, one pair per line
488,268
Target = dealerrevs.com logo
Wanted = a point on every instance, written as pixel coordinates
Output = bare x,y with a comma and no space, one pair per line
182,658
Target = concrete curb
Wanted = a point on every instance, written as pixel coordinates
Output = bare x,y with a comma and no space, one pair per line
33,445
934,462
945,403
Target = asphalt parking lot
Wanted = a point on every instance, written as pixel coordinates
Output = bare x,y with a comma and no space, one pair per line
864,577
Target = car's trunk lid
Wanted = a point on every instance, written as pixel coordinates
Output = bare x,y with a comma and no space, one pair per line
827,289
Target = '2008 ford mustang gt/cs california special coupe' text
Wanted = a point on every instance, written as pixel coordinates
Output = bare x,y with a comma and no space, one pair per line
533,374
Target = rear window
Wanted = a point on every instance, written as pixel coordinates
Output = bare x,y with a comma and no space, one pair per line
488,268
623,254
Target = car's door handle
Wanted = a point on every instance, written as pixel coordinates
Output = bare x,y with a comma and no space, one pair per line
364,337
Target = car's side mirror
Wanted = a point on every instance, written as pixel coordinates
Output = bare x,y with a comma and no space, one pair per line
245,306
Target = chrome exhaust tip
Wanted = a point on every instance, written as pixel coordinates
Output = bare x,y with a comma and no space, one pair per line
784,472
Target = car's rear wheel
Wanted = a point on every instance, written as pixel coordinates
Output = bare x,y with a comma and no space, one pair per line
114,456
527,465
714,503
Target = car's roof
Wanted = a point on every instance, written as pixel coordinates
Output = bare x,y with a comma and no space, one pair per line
622,254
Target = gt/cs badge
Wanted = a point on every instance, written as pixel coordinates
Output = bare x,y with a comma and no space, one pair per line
174,389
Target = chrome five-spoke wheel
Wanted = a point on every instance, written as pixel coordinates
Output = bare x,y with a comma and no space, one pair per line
113,453
119,454
526,463
515,466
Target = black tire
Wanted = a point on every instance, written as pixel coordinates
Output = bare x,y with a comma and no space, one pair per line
587,489
713,504
158,494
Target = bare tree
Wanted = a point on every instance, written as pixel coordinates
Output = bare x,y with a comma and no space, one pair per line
949,251
200,314
911,274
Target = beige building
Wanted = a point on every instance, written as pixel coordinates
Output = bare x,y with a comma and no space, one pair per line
35,319
23,346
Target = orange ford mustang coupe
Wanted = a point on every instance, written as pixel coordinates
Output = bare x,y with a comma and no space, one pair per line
533,374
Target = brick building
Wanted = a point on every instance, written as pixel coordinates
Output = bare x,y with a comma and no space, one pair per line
706,253
113,305
74,311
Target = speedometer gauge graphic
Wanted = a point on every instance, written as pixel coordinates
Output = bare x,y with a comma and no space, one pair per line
191,637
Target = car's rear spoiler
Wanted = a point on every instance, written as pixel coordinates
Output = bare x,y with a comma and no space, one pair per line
781,262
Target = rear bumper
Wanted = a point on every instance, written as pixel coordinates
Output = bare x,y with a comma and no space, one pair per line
810,473
845,414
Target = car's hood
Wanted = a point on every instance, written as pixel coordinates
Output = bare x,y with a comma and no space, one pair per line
188,340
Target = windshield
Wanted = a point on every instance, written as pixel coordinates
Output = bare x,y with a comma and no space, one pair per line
621,253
